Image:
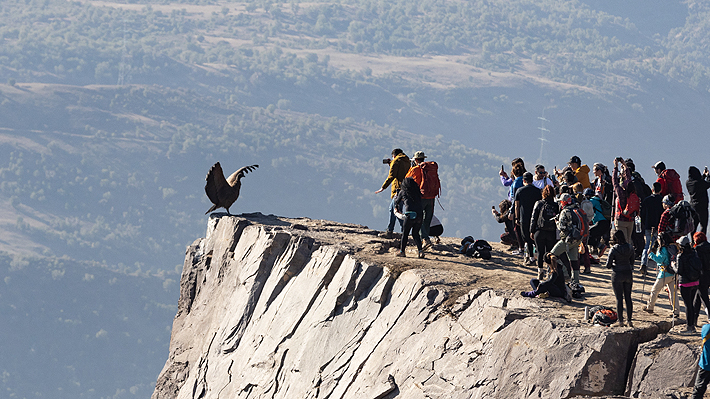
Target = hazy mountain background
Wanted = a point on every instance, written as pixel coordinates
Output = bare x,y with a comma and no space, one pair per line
111,114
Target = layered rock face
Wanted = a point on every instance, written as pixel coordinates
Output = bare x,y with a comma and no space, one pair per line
269,311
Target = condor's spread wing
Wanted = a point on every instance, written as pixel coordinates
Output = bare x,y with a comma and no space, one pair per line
215,184
237,176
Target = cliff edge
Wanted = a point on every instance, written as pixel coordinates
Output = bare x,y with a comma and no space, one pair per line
296,308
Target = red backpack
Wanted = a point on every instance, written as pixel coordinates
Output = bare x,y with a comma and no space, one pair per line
673,184
431,186
633,205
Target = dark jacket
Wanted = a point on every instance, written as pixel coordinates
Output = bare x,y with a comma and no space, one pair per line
556,280
505,218
703,250
651,210
604,188
399,167
697,186
686,271
409,198
621,258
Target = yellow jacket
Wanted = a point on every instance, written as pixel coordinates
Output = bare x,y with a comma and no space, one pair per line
398,170
582,174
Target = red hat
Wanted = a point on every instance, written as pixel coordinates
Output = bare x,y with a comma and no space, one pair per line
699,237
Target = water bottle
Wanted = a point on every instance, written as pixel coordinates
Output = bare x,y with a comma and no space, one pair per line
637,223
586,313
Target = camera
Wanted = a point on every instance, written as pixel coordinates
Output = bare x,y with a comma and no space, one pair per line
620,159
386,161
654,246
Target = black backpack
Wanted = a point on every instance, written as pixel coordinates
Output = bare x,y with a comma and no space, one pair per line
577,289
479,249
605,209
681,219
642,189
694,268
546,218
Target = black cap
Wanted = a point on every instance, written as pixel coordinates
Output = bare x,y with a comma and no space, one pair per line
528,177
575,159
659,165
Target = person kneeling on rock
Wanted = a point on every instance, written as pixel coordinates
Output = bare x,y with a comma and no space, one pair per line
408,207
554,286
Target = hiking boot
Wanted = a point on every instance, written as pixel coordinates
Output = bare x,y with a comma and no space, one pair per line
631,324
643,270
587,270
427,244
421,254
689,330
647,309
540,274
387,234
530,262
401,254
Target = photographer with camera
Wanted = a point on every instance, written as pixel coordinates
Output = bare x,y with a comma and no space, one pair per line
399,166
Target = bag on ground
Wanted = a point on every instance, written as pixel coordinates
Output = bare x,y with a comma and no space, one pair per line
603,315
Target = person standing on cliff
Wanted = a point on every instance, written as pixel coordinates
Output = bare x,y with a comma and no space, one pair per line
399,166
568,243
621,261
408,206
427,177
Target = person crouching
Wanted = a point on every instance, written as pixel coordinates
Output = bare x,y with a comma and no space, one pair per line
408,207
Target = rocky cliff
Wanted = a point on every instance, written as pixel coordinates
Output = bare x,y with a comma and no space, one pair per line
295,308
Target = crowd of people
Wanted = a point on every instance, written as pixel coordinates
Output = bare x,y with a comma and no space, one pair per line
564,223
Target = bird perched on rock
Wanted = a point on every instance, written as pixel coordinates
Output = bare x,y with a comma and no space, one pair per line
223,192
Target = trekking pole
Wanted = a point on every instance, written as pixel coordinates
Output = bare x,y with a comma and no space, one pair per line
643,286
675,287
439,202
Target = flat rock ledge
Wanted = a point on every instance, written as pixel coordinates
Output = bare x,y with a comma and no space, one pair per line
275,309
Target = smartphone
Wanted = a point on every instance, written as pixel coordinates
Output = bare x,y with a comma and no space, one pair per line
502,169
493,207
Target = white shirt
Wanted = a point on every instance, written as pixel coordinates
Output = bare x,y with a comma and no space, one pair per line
542,183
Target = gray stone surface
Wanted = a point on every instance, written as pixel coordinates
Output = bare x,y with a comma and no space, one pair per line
270,312
661,367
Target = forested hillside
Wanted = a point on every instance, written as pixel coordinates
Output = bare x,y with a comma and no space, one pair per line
112,112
